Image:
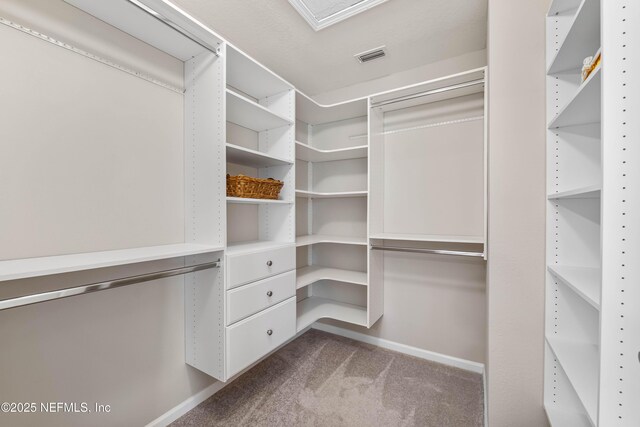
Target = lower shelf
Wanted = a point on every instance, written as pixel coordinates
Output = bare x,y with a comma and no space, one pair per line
566,419
581,364
314,308
305,276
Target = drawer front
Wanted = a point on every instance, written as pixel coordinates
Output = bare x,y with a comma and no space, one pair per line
254,337
251,267
249,299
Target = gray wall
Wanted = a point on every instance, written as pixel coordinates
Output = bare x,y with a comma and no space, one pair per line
516,212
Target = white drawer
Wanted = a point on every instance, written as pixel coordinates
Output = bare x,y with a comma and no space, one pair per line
256,336
255,266
254,297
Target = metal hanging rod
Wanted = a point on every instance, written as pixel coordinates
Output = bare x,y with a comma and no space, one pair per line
429,92
427,251
96,58
102,286
176,27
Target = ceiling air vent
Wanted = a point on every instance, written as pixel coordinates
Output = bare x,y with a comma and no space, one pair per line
370,55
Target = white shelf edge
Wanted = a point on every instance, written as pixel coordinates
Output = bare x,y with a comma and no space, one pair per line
44,266
428,238
247,201
584,354
254,246
309,275
312,309
257,154
584,290
331,195
588,192
312,239
595,75
335,154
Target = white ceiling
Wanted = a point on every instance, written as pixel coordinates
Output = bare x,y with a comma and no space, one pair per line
415,32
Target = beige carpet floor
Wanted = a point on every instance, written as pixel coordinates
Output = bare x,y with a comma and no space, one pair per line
322,379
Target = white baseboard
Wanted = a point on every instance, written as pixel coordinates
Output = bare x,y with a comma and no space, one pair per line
177,411
184,407
402,348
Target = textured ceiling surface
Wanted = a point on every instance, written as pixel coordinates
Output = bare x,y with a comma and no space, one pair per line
415,32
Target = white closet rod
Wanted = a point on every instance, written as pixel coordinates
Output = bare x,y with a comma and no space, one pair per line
102,286
428,93
101,60
427,251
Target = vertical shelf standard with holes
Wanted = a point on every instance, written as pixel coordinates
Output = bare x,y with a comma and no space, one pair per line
332,214
592,313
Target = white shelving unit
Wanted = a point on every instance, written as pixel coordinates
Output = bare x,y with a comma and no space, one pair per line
592,313
332,215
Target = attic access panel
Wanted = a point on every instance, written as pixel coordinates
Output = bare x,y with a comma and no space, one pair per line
323,13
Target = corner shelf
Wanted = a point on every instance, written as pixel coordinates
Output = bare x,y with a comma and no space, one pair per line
315,155
581,364
584,281
313,239
246,201
251,115
435,238
44,266
245,156
584,107
332,195
315,308
581,41
306,276
588,192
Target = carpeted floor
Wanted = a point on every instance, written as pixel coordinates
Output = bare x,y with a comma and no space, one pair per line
322,379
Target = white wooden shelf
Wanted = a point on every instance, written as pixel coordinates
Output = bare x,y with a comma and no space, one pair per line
581,364
313,239
247,201
436,238
585,281
559,418
315,155
253,158
582,39
584,107
332,195
312,309
44,266
306,276
254,246
251,115
588,192
252,78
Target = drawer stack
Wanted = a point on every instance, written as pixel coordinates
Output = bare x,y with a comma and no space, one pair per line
260,305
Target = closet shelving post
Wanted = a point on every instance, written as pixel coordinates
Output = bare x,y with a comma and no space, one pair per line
592,331
332,214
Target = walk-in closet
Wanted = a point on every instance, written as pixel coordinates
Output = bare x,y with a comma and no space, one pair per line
319,213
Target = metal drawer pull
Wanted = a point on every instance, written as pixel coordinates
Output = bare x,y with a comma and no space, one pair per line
269,263
269,332
269,293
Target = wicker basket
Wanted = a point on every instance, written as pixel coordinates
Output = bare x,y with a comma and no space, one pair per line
253,188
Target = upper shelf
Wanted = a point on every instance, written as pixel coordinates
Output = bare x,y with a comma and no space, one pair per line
311,154
162,25
582,40
250,77
332,195
44,266
246,113
435,238
310,112
584,107
245,156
